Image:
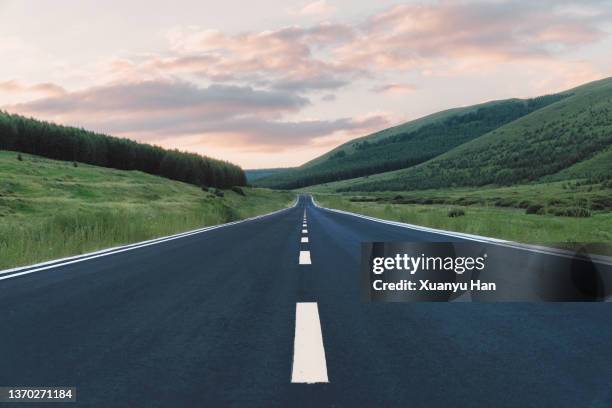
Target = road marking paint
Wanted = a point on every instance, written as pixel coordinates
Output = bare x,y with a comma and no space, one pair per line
304,239
305,258
309,364
304,225
56,263
304,231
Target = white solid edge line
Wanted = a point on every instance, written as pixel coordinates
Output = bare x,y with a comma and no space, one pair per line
304,231
305,258
309,365
478,238
24,270
304,239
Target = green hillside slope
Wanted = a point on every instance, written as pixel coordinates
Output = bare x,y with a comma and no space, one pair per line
50,209
597,168
543,143
410,144
407,127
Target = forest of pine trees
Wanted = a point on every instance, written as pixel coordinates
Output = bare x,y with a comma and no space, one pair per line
21,134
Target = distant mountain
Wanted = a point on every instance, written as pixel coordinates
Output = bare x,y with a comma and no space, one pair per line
409,144
256,174
569,138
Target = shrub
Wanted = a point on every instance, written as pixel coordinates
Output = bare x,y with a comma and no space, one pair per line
504,202
534,209
577,212
216,192
466,201
75,164
19,157
456,212
601,203
407,201
361,199
238,190
525,204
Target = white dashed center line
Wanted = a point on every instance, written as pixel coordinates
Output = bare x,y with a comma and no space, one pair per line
309,364
304,231
304,239
305,258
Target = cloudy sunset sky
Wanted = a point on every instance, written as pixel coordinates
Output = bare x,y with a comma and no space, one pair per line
276,83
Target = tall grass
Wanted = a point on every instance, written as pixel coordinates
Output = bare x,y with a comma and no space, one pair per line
71,232
50,209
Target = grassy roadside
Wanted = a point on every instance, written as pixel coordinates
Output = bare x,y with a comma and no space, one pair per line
51,209
499,213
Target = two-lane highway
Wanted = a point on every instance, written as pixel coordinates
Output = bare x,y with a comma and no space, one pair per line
267,312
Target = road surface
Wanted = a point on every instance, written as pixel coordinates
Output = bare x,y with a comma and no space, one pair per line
248,314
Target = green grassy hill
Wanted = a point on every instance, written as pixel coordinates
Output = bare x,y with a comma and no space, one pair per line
567,138
409,144
51,209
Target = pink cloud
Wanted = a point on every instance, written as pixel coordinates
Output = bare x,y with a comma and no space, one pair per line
41,89
164,110
281,58
450,34
393,89
410,36
320,8
446,38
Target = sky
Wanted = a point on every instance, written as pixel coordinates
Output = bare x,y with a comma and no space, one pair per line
277,83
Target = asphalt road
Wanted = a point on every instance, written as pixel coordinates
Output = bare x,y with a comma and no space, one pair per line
210,320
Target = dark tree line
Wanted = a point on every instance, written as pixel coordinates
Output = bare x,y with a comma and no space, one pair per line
53,141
